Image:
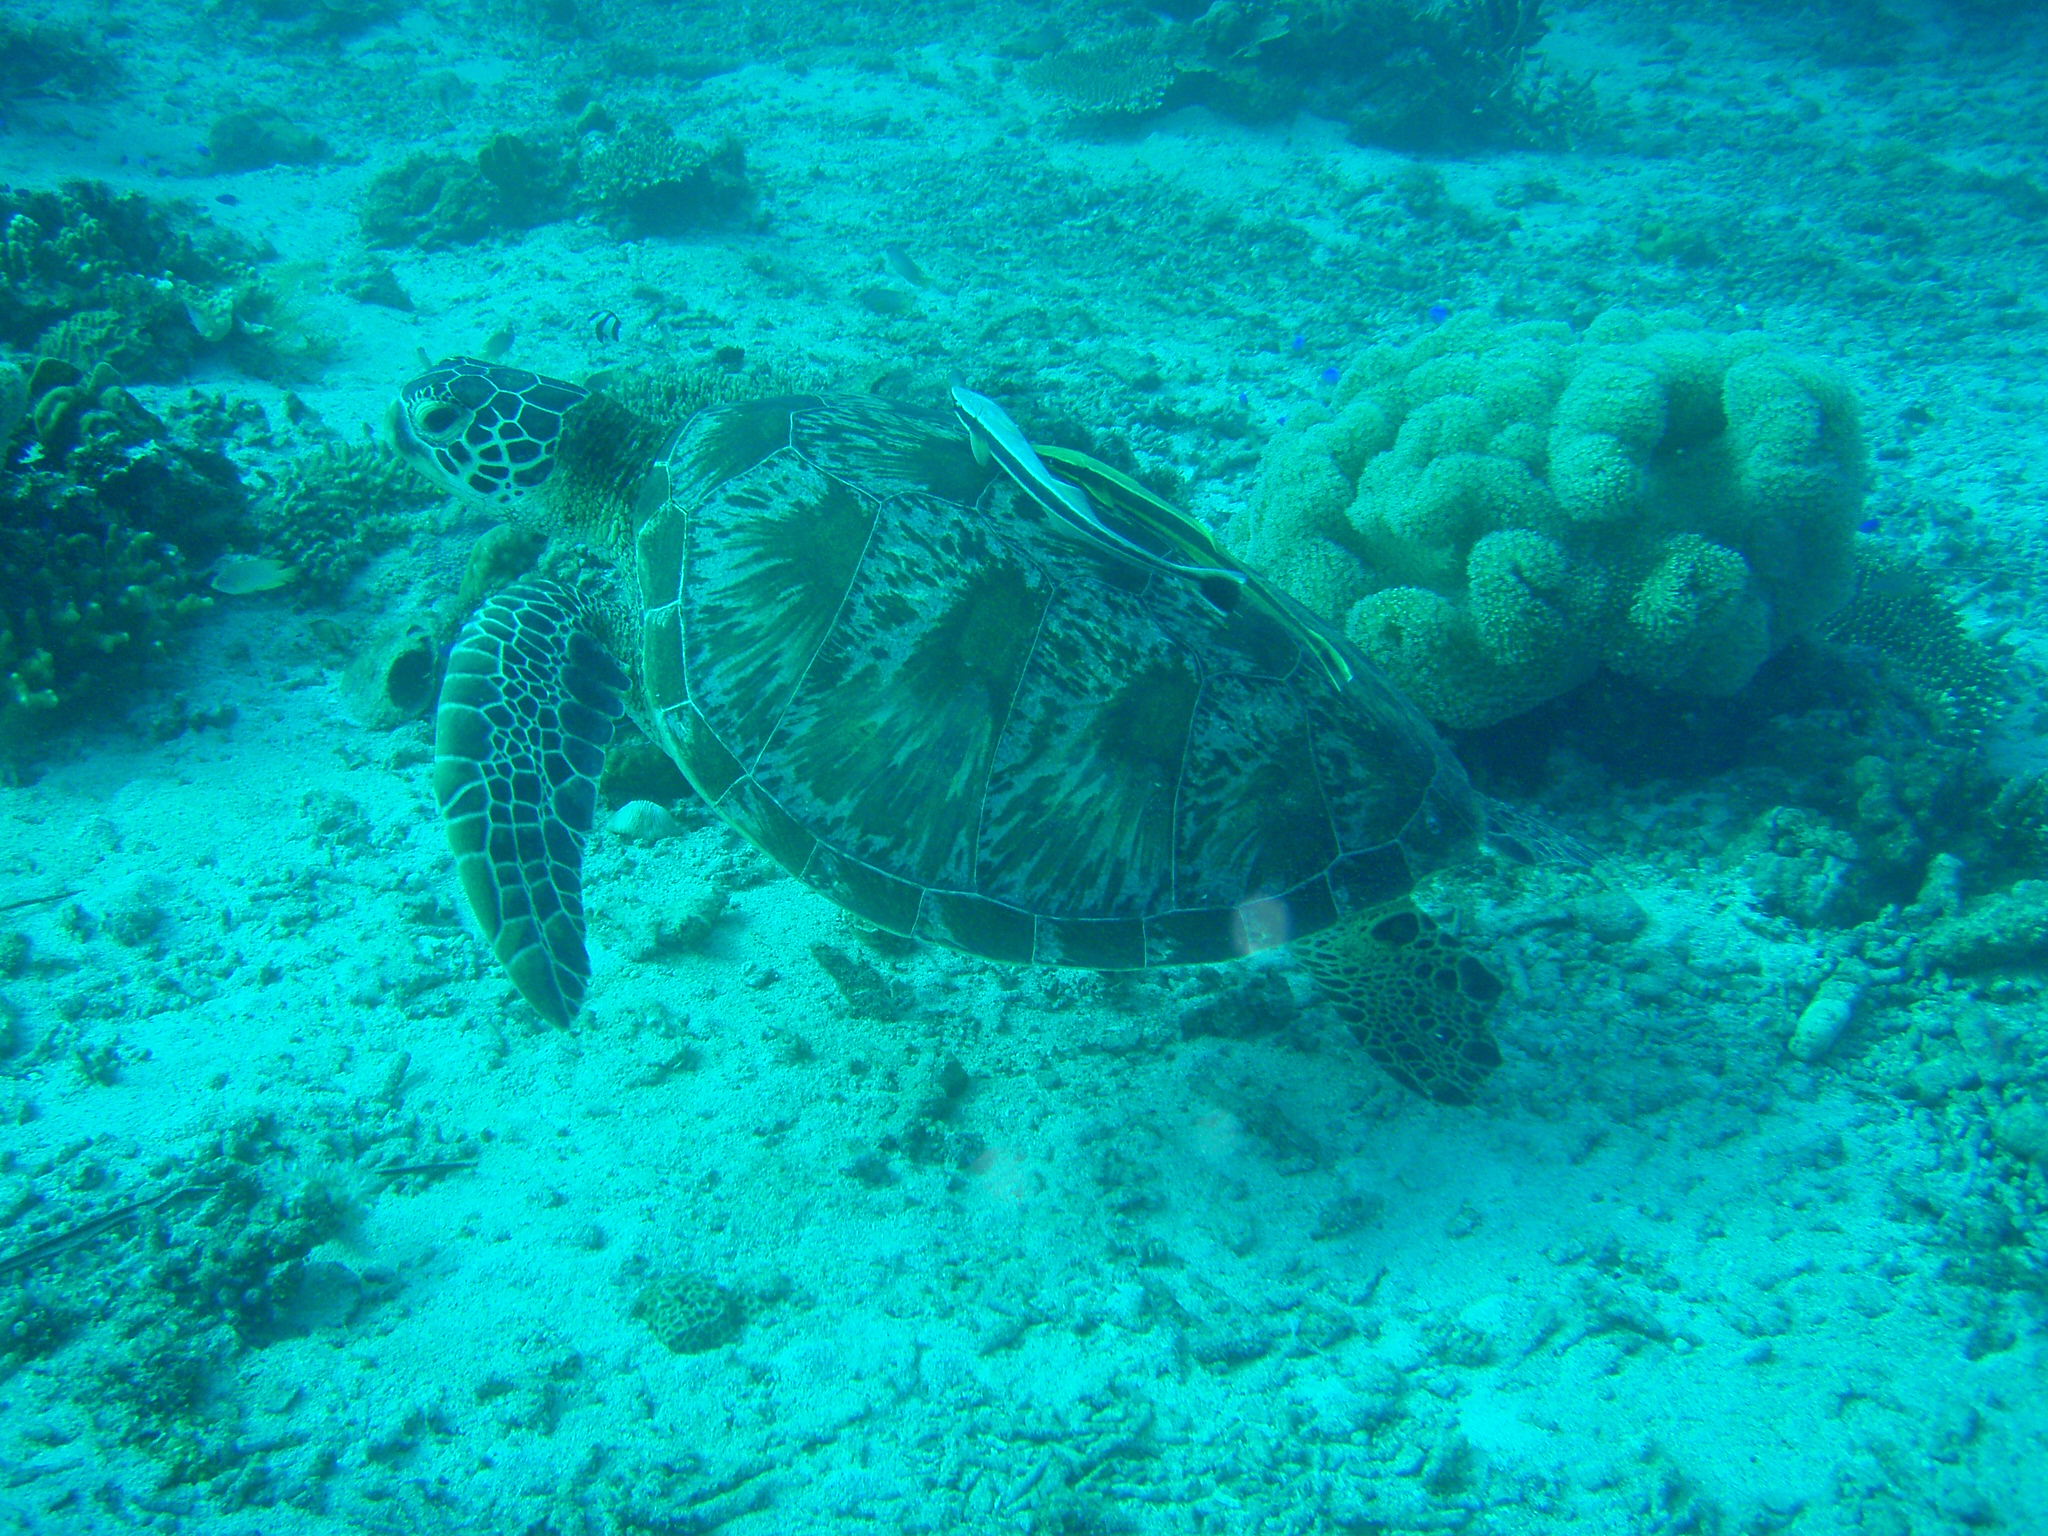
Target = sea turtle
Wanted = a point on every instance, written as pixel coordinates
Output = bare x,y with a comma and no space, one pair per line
1002,699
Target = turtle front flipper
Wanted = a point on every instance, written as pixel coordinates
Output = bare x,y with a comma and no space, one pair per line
1416,1001
527,710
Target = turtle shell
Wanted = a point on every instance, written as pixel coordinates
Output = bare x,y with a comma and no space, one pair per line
964,720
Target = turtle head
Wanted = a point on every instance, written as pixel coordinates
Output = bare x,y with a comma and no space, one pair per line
486,432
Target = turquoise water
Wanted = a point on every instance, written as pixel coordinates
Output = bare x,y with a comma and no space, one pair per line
309,1221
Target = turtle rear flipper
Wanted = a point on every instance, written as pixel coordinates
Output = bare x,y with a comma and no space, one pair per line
527,710
1416,1001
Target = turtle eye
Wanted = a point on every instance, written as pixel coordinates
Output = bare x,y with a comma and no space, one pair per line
438,420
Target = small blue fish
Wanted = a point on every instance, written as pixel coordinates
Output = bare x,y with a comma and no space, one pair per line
1439,312
1868,525
1332,374
1300,342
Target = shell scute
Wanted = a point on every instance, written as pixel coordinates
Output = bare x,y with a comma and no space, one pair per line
961,719
1100,720
960,920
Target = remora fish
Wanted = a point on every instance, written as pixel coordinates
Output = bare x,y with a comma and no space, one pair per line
995,436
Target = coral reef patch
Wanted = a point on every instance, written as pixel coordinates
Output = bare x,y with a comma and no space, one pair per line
1497,512
88,274
107,519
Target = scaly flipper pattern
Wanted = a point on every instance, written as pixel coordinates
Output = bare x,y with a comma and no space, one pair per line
1416,1001
527,710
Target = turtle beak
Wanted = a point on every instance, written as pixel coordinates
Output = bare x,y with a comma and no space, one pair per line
398,431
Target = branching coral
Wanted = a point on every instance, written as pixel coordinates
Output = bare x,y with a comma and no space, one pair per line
1498,512
337,508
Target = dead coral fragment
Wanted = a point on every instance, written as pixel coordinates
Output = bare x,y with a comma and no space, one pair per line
531,178
645,181
1420,74
260,137
437,201
1126,77
689,1313
431,202
396,675
641,180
